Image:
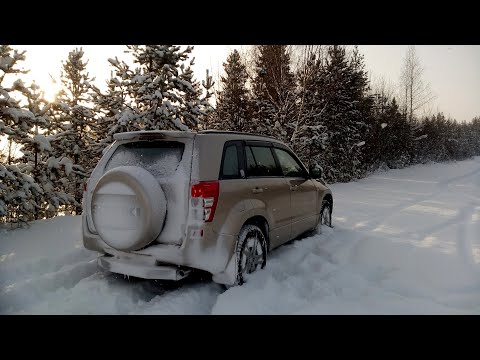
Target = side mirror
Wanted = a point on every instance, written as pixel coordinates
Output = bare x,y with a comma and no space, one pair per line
315,172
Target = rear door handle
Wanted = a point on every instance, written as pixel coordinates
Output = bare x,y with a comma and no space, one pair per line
257,190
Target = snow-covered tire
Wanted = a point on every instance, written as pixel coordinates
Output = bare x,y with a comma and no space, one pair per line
326,214
251,252
128,208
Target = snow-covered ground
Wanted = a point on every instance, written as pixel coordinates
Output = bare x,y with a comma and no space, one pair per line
405,242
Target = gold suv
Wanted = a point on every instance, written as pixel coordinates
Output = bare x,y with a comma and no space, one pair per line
162,203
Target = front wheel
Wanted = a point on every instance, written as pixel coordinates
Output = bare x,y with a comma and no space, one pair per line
326,214
251,252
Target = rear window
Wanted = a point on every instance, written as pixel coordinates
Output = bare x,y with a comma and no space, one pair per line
160,158
230,169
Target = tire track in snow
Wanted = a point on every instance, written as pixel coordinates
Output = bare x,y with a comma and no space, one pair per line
190,299
394,210
461,177
435,229
107,293
27,292
193,295
309,268
470,229
41,266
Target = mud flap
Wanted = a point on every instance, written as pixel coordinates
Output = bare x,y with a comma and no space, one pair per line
229,275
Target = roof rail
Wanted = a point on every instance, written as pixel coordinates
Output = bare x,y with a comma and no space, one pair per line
235,132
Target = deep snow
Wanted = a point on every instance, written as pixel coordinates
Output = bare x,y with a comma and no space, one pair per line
404,242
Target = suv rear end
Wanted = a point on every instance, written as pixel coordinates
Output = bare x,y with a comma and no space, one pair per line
184,236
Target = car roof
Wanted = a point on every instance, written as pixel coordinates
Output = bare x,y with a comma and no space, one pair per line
152,134
226,132
237,135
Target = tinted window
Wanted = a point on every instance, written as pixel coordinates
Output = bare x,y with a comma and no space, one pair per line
230,163
251,165
290,167
160,158
260,162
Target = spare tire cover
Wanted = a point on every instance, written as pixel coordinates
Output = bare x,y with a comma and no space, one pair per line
128,208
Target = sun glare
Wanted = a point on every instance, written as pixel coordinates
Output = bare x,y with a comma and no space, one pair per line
50,91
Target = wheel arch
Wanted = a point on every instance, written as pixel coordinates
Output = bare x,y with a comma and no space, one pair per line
262,223
329,198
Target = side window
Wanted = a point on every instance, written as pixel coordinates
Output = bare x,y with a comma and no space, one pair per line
260,161
230,169
290,166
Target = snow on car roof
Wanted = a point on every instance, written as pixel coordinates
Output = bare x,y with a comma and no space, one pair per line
153,134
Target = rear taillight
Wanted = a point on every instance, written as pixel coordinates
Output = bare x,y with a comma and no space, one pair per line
208,191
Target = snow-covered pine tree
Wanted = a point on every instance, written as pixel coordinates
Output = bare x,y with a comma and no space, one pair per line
473,130
274,98
107,107
374,150
159,94
11,113
389,137
75,121
361,107
398,137
233,100
309,131
18,192
51,174
459,140
17,189
342,90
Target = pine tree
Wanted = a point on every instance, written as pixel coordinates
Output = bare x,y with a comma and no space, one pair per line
18,191
159,94
233,102
342,97
16,187
35,187
12,116
274,98
76,122
474,139
375,148
108,107
51,174
309,133
389,138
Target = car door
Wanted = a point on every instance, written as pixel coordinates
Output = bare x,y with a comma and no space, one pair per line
303,191
269,190
235,194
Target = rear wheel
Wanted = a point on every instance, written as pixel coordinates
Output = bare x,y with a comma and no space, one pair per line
326,214
251,253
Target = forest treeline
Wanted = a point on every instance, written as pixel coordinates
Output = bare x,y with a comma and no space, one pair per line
318,99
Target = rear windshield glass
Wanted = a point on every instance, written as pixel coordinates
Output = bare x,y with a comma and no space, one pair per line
160,158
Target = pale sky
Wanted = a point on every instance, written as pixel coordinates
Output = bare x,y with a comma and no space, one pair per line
453,71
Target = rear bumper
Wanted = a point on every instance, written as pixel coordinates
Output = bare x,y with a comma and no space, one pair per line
210,254
144,271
